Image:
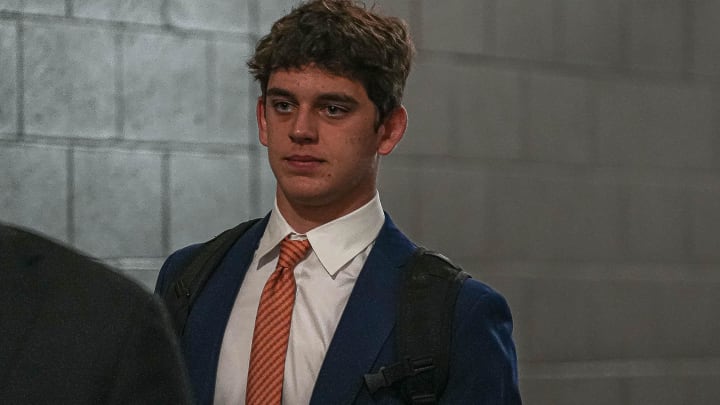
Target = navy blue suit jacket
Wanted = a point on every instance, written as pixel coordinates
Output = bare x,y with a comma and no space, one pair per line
482,360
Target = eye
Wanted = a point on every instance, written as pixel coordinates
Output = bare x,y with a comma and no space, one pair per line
333,110
282,106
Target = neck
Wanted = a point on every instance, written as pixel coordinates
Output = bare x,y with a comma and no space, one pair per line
304,217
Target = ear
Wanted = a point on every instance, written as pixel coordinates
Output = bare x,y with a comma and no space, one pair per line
261,121
392,130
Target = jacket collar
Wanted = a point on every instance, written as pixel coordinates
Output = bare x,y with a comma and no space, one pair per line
363,330
367,322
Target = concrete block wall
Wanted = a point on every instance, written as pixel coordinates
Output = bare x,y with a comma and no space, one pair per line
567,152
127,128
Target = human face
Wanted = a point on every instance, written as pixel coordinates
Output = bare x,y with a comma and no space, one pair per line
322,141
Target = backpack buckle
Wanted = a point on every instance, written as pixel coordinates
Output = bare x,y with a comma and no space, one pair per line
420,364
389,375
423,399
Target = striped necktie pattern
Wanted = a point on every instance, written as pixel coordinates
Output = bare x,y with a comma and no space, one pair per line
272,327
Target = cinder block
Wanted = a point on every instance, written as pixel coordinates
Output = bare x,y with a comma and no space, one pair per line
655,125
525,29
428,98
487,104
621,319
553,219
559,123
69,81
8,79
705,225
234,97
462,111
704,390
144,271
137,11
572,391
54,7
117,203
452,208
659,390
214,15
664,319
33,188
657,34
455,25
706,44
208,194
658,223
401,9
622,390
554,305
592,33
165,88
145,278
399,188
270,11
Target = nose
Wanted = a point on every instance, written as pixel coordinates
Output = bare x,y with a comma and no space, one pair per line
304,129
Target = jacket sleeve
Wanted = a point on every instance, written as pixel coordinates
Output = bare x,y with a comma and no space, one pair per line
150,369
483,363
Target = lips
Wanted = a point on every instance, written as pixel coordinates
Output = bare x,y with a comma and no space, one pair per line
303,158
303,161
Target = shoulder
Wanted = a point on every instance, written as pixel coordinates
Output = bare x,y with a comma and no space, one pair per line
173,265
242,234
481,309
178,258
475,295
483,367
483,323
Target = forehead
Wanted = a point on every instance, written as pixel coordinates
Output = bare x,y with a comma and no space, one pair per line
313,81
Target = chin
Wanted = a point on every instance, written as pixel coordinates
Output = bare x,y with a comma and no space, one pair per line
308,200
303,195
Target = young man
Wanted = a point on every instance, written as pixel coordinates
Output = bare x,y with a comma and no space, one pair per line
332,75
76,332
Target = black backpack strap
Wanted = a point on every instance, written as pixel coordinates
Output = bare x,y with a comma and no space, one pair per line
424,329
182,292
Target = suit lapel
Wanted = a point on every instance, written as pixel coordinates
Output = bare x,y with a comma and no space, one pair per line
211,311
367,321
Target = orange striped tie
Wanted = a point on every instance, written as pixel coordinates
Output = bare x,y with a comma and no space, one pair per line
272,327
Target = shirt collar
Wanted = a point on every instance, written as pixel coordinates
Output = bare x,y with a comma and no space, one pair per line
336,242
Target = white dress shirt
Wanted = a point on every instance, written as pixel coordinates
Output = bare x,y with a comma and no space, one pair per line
324,281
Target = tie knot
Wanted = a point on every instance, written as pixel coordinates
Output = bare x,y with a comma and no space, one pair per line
292,252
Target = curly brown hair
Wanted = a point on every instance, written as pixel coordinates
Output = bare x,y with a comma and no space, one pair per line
343,38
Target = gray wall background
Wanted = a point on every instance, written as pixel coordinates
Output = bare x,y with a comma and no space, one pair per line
567,152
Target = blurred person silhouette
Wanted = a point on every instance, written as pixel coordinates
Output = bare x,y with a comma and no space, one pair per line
73,331
306,305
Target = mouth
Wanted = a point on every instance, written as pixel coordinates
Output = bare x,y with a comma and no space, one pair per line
303,158
303,161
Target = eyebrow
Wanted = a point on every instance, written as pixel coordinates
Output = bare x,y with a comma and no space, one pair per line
338,97
278,92
327,97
